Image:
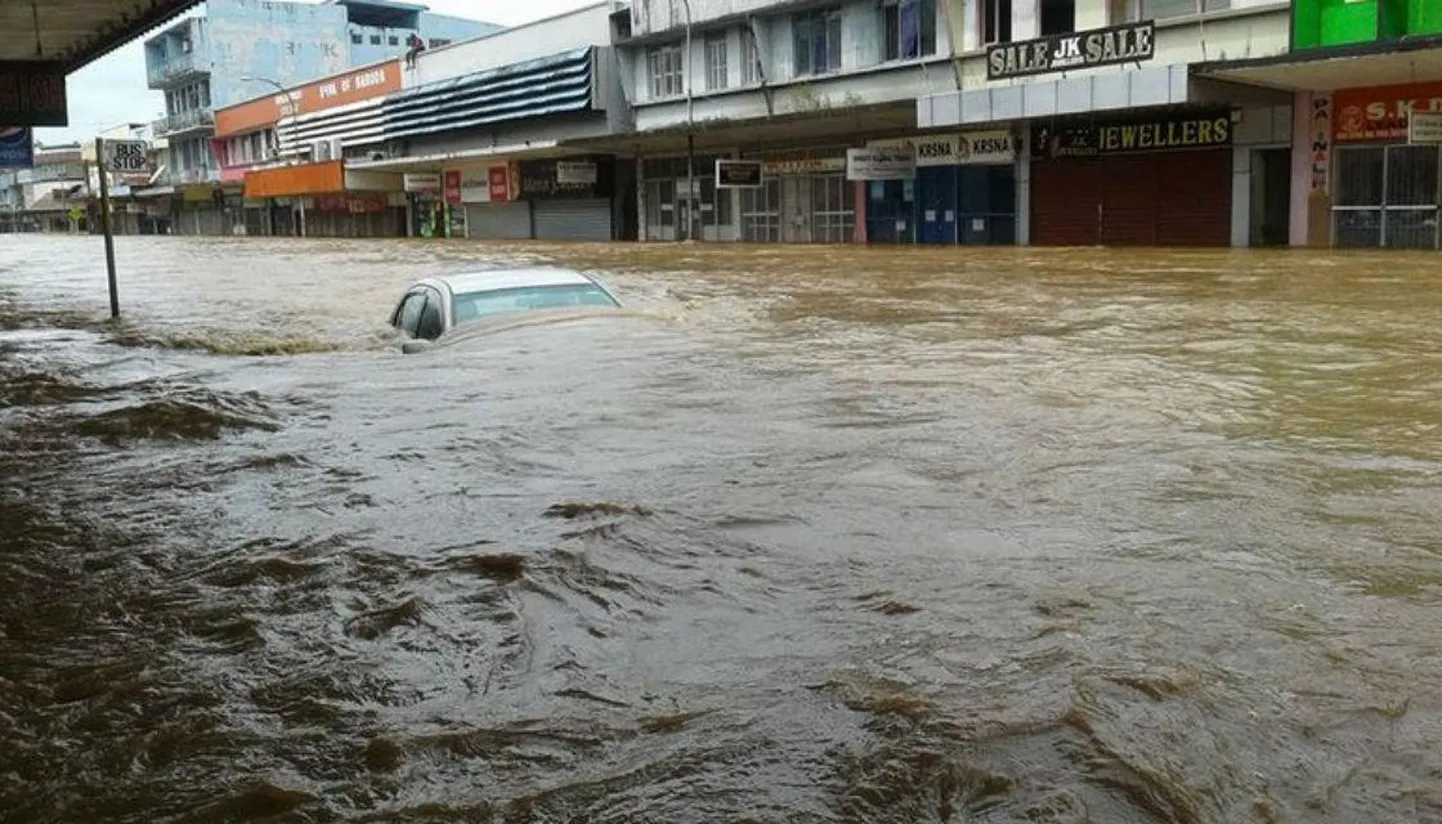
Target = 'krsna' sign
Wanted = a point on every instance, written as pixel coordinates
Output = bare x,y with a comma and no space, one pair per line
1130,43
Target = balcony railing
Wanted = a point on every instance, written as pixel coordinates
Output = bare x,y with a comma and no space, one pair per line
186,121
175,67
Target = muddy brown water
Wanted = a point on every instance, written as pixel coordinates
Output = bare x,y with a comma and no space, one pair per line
812,534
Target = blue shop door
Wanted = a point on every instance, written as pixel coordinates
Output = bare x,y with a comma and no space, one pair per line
936,187
987,203
890,211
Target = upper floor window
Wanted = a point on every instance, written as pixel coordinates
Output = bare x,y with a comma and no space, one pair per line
750,59
437,42
908,29
995,21
375,39
1057,17
816,41
357,37
663,64
1127,11
716,63
393,40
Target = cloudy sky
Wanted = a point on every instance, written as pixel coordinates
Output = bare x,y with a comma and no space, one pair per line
111,91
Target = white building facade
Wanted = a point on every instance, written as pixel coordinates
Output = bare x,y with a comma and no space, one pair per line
1025,121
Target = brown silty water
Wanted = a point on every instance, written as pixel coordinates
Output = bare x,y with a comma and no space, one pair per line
810,534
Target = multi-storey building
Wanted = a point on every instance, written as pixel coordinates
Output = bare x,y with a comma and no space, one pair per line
961,121
470,140
241,49
1367,79
47,197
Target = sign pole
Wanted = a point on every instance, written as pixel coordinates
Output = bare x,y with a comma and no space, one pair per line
105,226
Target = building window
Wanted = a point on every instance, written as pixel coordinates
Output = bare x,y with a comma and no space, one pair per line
393,40
437,42
908,29
716,68
750,59
816,42
995,21
1130,11
375,39
664,65
357,37
1058,17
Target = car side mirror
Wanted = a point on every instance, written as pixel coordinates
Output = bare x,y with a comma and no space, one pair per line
415,347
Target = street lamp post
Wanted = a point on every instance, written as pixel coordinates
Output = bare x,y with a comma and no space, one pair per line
294,131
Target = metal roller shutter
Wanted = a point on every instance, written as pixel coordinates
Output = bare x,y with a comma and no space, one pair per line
499,221
1064,202
1194,198
1128,201
573,219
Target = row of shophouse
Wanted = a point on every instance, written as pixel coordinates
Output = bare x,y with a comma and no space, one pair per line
1042,122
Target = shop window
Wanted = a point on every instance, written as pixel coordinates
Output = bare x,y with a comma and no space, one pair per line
816,42
1130,11
1387,196
716,66
664,67
750,59
833,204
995,21
1058,17
908,29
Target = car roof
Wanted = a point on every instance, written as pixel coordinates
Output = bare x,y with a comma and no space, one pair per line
486,281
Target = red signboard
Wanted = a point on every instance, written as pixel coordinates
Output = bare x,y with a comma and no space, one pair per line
328,92
351,202
500,180
1381,113
451,185
32,94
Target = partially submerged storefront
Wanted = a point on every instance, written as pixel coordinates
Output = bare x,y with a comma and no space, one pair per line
1135,179
804,197
1385,166
327,200
959,189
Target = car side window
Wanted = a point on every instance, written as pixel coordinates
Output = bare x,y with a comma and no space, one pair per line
409,317
431,323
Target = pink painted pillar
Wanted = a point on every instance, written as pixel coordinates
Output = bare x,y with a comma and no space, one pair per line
1311,161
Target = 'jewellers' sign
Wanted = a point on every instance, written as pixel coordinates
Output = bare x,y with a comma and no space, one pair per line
1131,43
1183,130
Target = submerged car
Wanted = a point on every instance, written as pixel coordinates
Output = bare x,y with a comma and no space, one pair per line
433,307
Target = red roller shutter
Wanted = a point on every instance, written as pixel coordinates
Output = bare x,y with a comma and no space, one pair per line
1064,202
1194,200
1129,201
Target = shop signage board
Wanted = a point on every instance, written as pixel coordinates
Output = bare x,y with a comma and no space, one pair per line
1166,132
1425,128
1129,43
32,94
738,174
1321,154
1381,113
990,147
545,179
804,166
17,147
499,180
882,163
582,173
422,182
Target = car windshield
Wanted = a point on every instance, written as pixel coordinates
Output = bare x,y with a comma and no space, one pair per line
473,305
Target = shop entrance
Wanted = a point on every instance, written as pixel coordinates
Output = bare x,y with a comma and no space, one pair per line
1271,212
1387,196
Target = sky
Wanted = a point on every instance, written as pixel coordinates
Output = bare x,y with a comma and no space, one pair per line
111,91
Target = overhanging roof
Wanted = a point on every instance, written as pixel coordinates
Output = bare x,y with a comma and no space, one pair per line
1346,67
72,33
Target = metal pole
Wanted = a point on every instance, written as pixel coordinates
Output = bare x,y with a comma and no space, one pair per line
690,136
105,226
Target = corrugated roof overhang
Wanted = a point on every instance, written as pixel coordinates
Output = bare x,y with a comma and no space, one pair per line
1344,67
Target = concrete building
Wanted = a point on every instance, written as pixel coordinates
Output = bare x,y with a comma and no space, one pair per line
1367,83
48,197
959,121
241,49
472,140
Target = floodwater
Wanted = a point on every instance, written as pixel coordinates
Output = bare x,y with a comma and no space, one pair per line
810,535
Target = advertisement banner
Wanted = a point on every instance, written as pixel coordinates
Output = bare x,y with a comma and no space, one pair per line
499,179
17,147
32,94
1129,43
422,182
989,147
883,163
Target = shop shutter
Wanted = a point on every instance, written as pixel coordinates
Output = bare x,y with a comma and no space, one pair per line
499,221
573,219
1064,202
1194,198
1128,215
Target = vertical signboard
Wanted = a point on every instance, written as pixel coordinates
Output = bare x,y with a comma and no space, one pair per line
1321,134
499,179
17,147
451,185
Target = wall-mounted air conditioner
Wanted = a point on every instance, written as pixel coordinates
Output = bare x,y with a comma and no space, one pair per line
320,151
337,151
